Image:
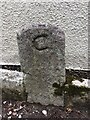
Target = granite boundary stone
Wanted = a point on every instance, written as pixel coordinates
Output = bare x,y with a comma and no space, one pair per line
42,58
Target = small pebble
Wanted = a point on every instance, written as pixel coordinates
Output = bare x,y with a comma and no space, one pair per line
10,104
9,117
0,115
78,111
4,102
69,109
10,112
37,111
44,112
21,113
19,116
21,107
61,116
15,110
14,113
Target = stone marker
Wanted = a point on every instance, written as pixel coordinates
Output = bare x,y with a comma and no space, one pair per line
42,52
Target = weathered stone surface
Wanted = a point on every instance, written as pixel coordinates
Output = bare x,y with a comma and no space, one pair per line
41,50
11,79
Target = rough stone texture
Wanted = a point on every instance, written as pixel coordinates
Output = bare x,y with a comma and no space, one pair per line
71,17
11,79
42,56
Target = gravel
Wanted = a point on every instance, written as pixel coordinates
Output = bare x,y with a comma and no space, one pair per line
22,109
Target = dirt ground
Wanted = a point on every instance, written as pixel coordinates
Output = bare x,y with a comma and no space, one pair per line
21,109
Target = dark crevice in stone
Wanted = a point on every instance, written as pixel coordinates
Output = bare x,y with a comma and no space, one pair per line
79,73
11,67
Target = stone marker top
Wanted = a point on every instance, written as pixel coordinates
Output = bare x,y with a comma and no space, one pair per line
41,38
39,26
